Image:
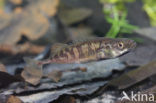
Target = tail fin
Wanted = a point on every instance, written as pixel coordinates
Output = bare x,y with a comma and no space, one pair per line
32,72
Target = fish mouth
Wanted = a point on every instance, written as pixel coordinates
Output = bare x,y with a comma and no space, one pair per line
124,53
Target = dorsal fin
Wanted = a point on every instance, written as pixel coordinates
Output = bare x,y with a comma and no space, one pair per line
57,47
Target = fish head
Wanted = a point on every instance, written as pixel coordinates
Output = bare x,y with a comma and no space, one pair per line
112,48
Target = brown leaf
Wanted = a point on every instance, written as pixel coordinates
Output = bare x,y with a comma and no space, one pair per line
2,68
2,6
32,22
32,72
13,99
48,7
4,19
72,15
81,33
134,76
22,48
9,99
28,48
17,2
82,90
18,10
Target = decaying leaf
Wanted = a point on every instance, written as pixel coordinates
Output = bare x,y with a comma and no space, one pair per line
2,5
67,15
18,10
50,96
17,2
4,20
99,69
9,99
21,48
32,22
134,76
46,7
2,68
13,99
28,48
81,33
32,72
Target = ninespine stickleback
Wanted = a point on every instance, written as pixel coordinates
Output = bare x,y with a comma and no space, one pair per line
90,50
81,52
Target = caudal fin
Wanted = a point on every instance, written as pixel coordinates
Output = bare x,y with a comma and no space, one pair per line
32,72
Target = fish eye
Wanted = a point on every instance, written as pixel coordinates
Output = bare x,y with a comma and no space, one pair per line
120,45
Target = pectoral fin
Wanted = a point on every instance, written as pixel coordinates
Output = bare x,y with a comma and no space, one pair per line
100,54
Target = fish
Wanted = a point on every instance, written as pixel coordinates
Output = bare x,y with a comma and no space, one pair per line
95,49
90,50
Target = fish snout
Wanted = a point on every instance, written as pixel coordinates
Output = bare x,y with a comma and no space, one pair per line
132,44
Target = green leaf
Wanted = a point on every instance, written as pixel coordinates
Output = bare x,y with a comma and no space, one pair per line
116,14
150,8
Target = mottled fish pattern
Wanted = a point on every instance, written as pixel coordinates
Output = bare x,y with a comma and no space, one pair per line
91,50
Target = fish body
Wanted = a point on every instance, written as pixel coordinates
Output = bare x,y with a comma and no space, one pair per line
90,50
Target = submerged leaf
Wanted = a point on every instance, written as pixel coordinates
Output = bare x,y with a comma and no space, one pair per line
51,95
9,99
134,76
81,33
2,68
71,16
32,22
32,72
21,48
13,99
17,2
